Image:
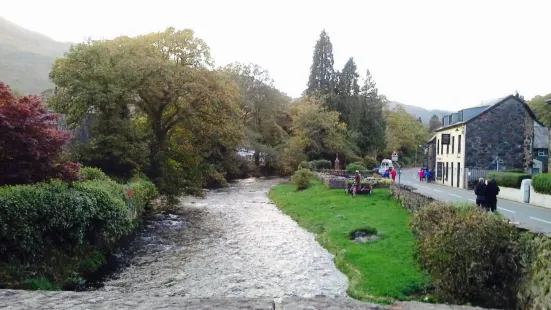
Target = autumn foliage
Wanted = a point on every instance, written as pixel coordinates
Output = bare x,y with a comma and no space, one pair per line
30,142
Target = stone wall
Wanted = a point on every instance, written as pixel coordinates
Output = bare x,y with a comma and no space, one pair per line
501,131
17,300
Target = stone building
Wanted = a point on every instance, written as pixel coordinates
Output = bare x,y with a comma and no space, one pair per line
503,135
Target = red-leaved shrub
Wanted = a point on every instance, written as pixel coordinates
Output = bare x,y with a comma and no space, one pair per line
30,141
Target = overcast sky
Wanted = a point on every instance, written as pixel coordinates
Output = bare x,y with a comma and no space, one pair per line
434,54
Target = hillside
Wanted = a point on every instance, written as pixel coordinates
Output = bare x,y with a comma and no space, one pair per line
26,58
418,111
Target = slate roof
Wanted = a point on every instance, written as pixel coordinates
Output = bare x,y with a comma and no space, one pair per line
491,104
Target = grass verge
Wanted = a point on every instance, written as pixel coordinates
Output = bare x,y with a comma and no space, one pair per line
381,271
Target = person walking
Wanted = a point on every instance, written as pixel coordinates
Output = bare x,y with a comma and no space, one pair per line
492,190
386,175
480,192
393,174
421,175
428,175
357,182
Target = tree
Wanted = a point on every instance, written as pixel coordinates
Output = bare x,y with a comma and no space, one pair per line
264,109
420,120
404,133
542,108
91,86
372,128
30,143
318,132
346,94
165,77
434,123
322,73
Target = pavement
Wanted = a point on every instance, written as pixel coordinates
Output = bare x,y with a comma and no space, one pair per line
527,216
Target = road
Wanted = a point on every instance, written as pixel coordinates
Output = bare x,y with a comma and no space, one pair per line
522,214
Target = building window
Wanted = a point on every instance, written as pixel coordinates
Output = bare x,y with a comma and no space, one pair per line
437,146
453,143
542,153
448,148
459,144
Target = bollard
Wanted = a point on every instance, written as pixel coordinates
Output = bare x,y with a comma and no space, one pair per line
525,190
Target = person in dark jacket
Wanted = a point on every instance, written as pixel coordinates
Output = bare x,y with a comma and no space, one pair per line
480,192
492,190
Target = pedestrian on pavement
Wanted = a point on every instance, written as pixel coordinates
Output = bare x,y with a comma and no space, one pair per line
492,190
428,175
421,175
480,192
393,174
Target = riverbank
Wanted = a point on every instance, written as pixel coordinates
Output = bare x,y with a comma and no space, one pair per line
380,270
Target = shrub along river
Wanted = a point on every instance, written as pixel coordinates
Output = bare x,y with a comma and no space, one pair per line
234,242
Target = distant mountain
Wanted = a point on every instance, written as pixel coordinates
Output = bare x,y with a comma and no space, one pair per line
26,58
418,111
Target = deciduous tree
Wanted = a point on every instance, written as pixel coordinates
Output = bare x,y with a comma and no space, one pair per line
542,109
434,123
30,142
165,77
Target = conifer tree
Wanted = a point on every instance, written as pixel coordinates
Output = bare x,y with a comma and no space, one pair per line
322,73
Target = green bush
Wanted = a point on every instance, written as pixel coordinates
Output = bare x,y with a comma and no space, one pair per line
411,201
301,179
351,168
320,164
471,256
60,230
535,290
541,183
36,219
509,179
371,162
304,165
93,174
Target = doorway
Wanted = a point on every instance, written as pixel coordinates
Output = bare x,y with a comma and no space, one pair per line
458,174
451,181
446,172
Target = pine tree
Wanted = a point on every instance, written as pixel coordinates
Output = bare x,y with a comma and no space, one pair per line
347,94
434,123
322,73
372,124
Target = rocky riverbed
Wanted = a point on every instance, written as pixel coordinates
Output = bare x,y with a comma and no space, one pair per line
233,243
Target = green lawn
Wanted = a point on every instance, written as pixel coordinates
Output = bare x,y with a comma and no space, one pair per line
381,270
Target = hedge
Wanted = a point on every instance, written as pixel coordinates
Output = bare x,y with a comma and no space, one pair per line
351,169
320,164
470,255
541,183
509,179
68,222
535,289
504,267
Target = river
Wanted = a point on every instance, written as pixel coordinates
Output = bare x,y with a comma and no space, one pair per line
234,242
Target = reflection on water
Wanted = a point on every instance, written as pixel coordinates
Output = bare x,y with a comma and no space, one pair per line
235,242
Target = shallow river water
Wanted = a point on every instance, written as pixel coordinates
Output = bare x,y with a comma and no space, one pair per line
234,242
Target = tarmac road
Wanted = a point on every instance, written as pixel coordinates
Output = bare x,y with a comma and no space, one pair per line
522,214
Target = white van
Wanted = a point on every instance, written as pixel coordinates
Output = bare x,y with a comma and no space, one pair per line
385,164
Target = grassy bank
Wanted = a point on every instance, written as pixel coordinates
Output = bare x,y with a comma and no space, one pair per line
381,270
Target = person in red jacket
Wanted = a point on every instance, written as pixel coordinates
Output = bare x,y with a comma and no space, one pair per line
393,174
